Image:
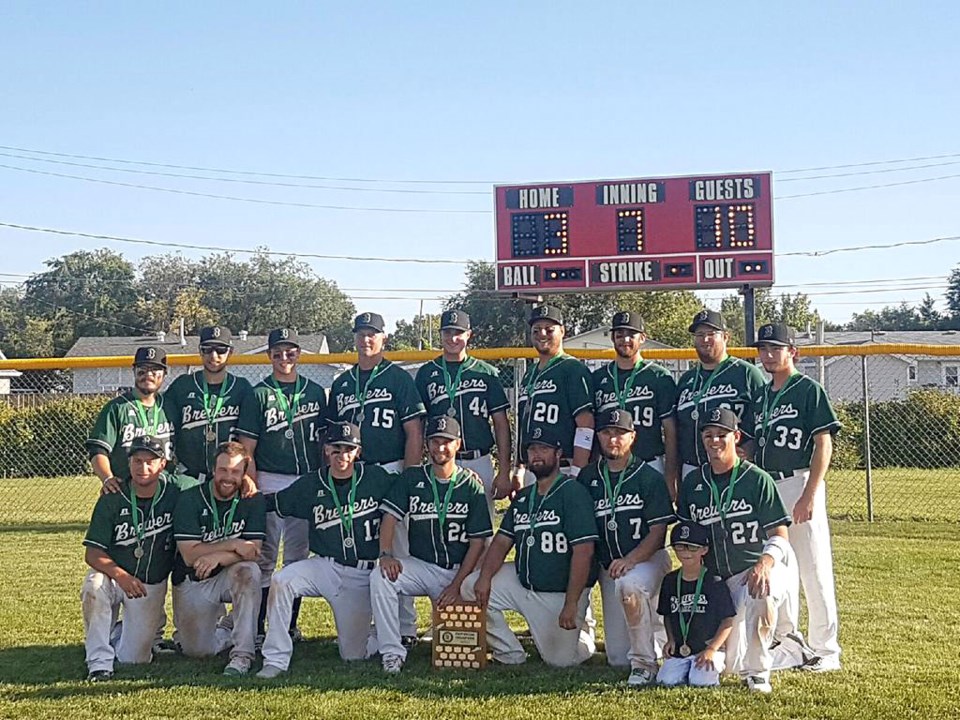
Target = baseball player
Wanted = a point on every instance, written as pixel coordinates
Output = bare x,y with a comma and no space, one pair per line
718,380
645,389
382,400
448,526
738,504
470,391
281,425
219,535
551,524
342,505
205,405
132,413
130,552
794,431
698,611
632,511
555,394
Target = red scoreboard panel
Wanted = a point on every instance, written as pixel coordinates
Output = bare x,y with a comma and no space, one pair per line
654,233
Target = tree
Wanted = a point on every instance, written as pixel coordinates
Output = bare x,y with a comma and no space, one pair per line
953,292
416,334
794,310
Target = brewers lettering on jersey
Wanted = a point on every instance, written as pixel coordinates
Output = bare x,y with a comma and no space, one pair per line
552,398
121,420
650,400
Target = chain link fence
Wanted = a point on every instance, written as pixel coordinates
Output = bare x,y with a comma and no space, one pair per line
897,457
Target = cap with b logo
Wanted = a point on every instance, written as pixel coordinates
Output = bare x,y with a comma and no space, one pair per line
543,436
626,320
775,334
147,443
368,320
216,335
443,426
615,418
710,318
283,336
721,417
343,433
454,320
689,533
546,312
150,355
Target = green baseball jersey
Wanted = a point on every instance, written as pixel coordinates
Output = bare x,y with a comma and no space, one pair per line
640,501
310,498
736,542
379,402
651,397
562,519
732,385
440,543
553,397
196,411
112,530
263,416
120,421
786,423
478,395
196,519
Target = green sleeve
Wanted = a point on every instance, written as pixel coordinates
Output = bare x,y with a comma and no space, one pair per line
578,389
410,404
396,501
186,516
102,522
103,437
507,524
496,396
420,383
819,412
297,499
657,507
579,524
478,518
666,394
256,526
683,502
251,417
768,506
173,403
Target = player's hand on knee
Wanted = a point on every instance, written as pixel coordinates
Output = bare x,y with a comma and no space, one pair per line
390,568
705,659
568,616
758,579
481,590
668,649
204,566
620,567
502,484
449,596
110,485
132,587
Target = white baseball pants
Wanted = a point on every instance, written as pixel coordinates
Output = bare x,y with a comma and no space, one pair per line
682,671
401,550
483,467
101,599
292,532
557,647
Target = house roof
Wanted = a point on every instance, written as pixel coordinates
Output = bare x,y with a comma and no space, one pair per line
599,339
920,337
127,345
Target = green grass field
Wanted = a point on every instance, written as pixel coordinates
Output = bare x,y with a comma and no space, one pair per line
900,617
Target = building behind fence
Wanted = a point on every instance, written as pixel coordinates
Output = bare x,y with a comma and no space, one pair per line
897,457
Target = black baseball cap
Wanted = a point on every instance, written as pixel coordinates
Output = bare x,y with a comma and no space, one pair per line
216,335
775,334
546,312
283,336
543,435
628,321
443,426
343,433
710,318
373,321
615,418
454,320
150,355
147,443
722,418
689,533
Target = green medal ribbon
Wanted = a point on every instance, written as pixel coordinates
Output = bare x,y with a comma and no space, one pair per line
361,395
289,408
769,407
344,514
212,416
534,374
686,622
717,497
622,397
135,511
703,391
442,509
613,492
452,383
142,414
228,518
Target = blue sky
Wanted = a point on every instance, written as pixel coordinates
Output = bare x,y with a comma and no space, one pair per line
495,91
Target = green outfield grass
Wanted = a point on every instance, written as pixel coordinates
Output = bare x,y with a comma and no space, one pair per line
900,629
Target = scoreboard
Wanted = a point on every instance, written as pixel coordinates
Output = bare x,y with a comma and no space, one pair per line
708,231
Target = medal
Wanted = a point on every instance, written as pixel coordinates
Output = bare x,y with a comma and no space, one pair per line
694,414
531,541
685,621
359,418
611,525
761,441
451,411
361,393
289,434
348,542
684,650
211,434
138,552
289,408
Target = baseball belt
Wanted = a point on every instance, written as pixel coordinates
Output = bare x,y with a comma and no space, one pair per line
359,564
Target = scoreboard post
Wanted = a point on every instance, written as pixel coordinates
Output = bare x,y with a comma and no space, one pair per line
668,233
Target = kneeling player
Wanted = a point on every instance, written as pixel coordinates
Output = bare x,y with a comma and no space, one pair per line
448,516
632,510
698,611
218,535
130,550
551,523
343,507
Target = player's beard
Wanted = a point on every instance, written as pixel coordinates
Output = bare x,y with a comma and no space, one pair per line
543,468
712,354
617,453
626,352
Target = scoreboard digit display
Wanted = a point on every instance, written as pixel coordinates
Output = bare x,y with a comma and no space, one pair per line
657,233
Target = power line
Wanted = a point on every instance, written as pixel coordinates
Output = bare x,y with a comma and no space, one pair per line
905,243
864,172
866,164
866,187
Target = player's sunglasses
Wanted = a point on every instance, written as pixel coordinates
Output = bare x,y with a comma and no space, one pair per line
147,370
705,335
214,350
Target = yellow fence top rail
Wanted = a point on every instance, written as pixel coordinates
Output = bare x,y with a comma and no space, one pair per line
483,353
